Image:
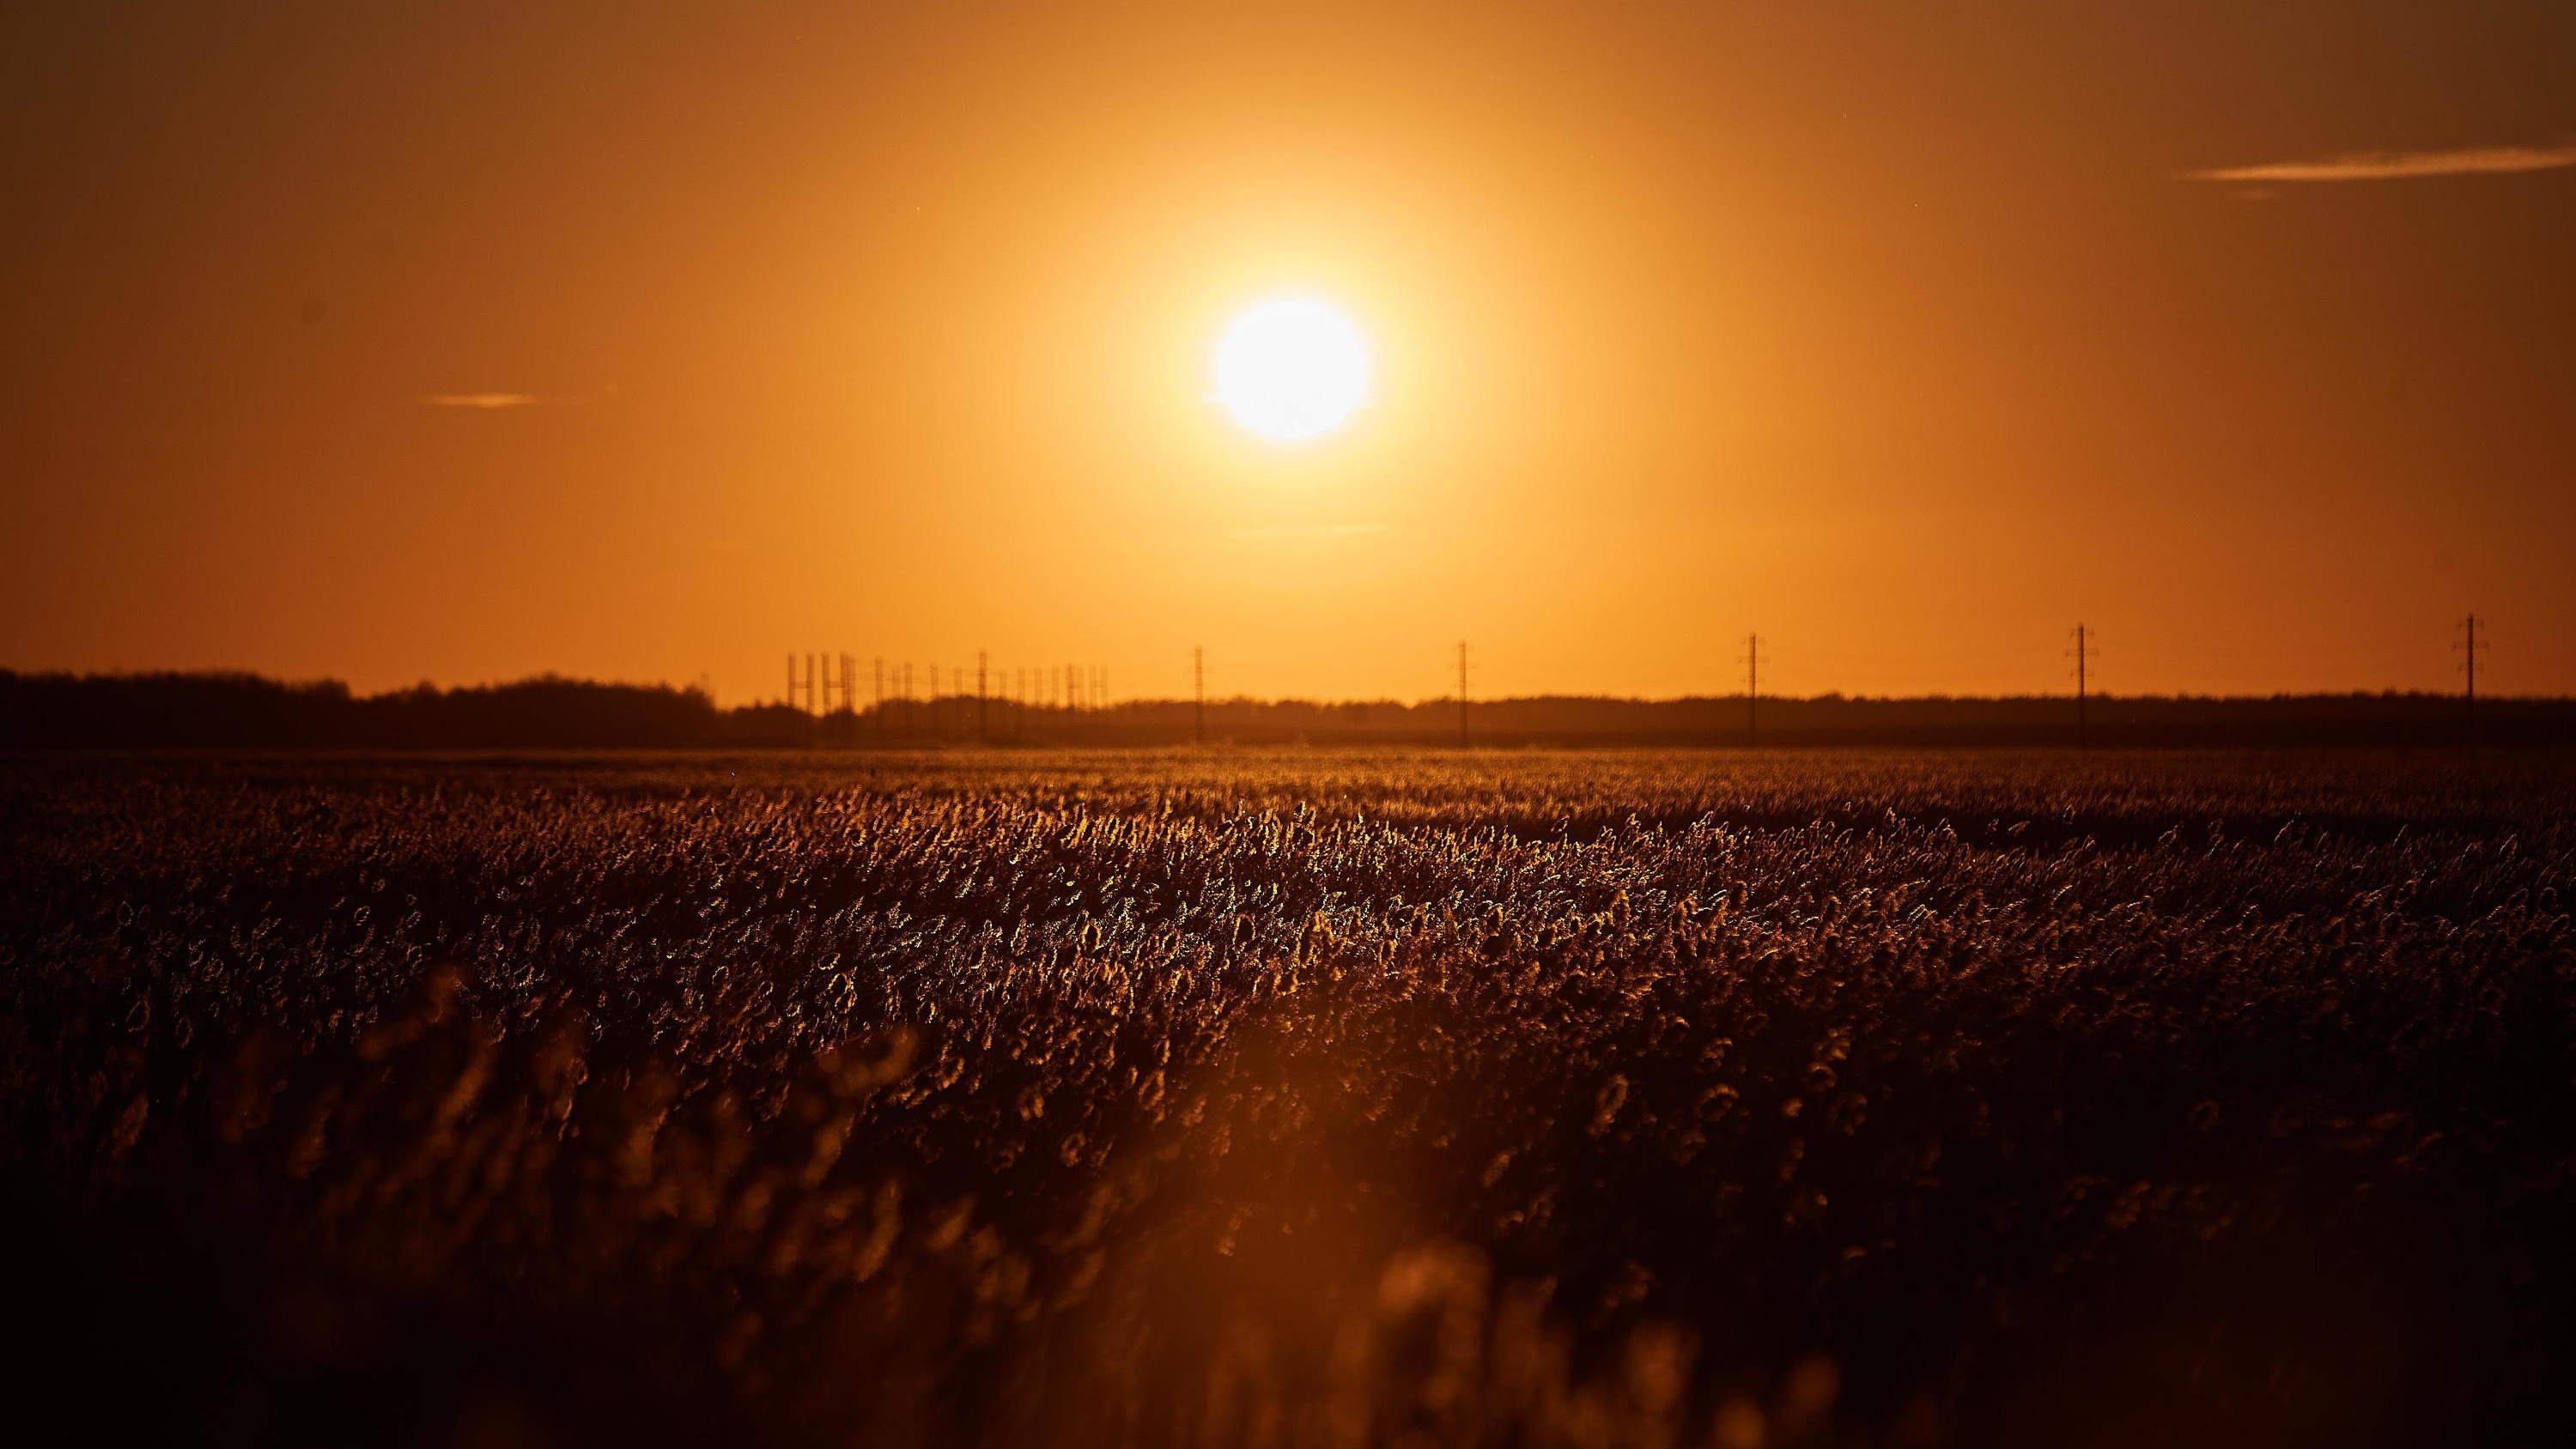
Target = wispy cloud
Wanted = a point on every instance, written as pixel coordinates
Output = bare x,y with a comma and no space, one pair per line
496,401
487,401
1309,530
2400,165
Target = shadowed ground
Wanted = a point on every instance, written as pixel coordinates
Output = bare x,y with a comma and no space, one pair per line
1295,1099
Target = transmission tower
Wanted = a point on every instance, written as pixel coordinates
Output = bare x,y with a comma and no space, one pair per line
983,728
1198,691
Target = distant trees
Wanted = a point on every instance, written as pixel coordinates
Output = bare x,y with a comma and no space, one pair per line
245,711
182,711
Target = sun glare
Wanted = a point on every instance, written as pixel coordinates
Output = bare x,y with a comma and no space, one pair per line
1292,368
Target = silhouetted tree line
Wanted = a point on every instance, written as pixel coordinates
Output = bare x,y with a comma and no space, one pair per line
184,711
245,711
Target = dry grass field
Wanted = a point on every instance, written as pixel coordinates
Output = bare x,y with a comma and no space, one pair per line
1288,1099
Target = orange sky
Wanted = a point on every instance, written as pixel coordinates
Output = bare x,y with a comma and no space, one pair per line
1893,331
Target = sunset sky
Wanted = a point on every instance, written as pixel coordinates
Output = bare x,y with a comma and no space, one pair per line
651,341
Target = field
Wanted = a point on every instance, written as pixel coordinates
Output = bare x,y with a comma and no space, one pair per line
1298,1098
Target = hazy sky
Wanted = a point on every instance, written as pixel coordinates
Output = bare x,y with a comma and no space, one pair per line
652,341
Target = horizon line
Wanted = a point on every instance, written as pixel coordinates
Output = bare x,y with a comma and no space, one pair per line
1833,696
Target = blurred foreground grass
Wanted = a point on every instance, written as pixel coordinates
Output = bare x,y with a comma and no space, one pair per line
1296,1098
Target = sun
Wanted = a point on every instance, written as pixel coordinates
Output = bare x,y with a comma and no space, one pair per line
1292,368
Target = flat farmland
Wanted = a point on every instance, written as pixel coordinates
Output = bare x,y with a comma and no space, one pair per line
1297,1098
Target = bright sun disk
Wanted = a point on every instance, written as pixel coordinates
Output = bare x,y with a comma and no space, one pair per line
1292,368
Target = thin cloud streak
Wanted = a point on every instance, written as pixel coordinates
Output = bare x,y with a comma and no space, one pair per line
1310,530
486,401
2400,165
494,401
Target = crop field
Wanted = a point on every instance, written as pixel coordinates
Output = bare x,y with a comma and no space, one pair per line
1297,1098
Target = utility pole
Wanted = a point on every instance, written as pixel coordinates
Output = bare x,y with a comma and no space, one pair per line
1198,690
1752,685
2469,647
1462,694
2083,651
809,684
983,730
880,709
